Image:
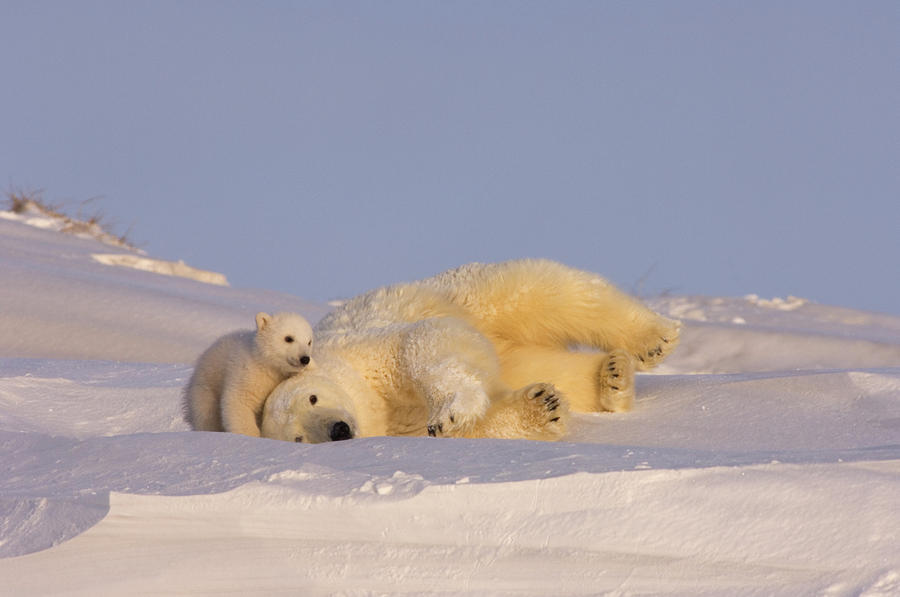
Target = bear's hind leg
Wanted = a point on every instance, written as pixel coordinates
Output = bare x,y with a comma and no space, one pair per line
591,381
573,373
615,382
542,303
652,348
201,408
609,319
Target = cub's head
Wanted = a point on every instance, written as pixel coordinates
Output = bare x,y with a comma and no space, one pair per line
284,340
309,408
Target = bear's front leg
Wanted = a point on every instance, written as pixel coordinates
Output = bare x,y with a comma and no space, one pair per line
455,397
237,418
537,411
239,406
454,369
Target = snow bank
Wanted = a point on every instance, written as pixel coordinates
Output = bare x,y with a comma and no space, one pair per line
57,302
762,459
158,266
564,535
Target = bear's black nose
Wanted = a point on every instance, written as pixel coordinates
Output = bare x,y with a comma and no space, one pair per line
304,360
340,431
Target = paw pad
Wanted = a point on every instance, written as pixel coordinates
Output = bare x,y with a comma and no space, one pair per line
616,382
546,401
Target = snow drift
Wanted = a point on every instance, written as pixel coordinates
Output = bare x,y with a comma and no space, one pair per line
762,458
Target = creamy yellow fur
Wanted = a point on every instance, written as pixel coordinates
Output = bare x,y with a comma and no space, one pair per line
479,351
233,377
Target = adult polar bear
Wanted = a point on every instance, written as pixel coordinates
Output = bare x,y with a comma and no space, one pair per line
484,350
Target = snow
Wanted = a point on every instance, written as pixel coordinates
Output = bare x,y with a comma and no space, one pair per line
763,458
159,266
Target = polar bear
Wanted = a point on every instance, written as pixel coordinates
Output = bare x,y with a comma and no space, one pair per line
233,377
486,350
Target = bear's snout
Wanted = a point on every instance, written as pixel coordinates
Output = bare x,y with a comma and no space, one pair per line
340,431
299,361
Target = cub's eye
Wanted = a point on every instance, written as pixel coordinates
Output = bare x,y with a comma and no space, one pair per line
309,343
288,339
299,439
313,399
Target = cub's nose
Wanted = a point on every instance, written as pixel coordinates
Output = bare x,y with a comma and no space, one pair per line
304,360
340,431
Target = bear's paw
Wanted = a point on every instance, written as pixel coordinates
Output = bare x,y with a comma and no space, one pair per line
545,411
458,414
659,344
616,382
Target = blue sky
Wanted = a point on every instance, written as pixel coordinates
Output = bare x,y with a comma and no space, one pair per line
323,148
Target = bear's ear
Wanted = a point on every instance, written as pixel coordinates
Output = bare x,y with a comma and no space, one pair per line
262,320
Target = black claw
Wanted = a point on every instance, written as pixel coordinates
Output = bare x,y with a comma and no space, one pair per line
431,430
539,394
614,387
554,419
615,375
452,420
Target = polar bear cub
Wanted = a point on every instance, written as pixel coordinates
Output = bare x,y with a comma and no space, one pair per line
233,377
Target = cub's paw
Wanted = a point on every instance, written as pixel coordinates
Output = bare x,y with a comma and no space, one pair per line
457,415
659,344
615,382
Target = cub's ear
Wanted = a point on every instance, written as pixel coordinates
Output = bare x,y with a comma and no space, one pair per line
262,320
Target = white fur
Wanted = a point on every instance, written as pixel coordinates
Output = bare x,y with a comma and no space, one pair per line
233,377
480,351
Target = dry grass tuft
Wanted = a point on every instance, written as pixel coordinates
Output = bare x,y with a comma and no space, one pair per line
92,224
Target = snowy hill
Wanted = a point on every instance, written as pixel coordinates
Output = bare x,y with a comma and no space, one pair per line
762,459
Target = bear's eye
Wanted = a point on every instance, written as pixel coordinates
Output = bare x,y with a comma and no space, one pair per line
313,399
288,339
299,439
309,343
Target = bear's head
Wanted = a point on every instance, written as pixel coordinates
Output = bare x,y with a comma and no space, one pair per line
310,408
284,341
